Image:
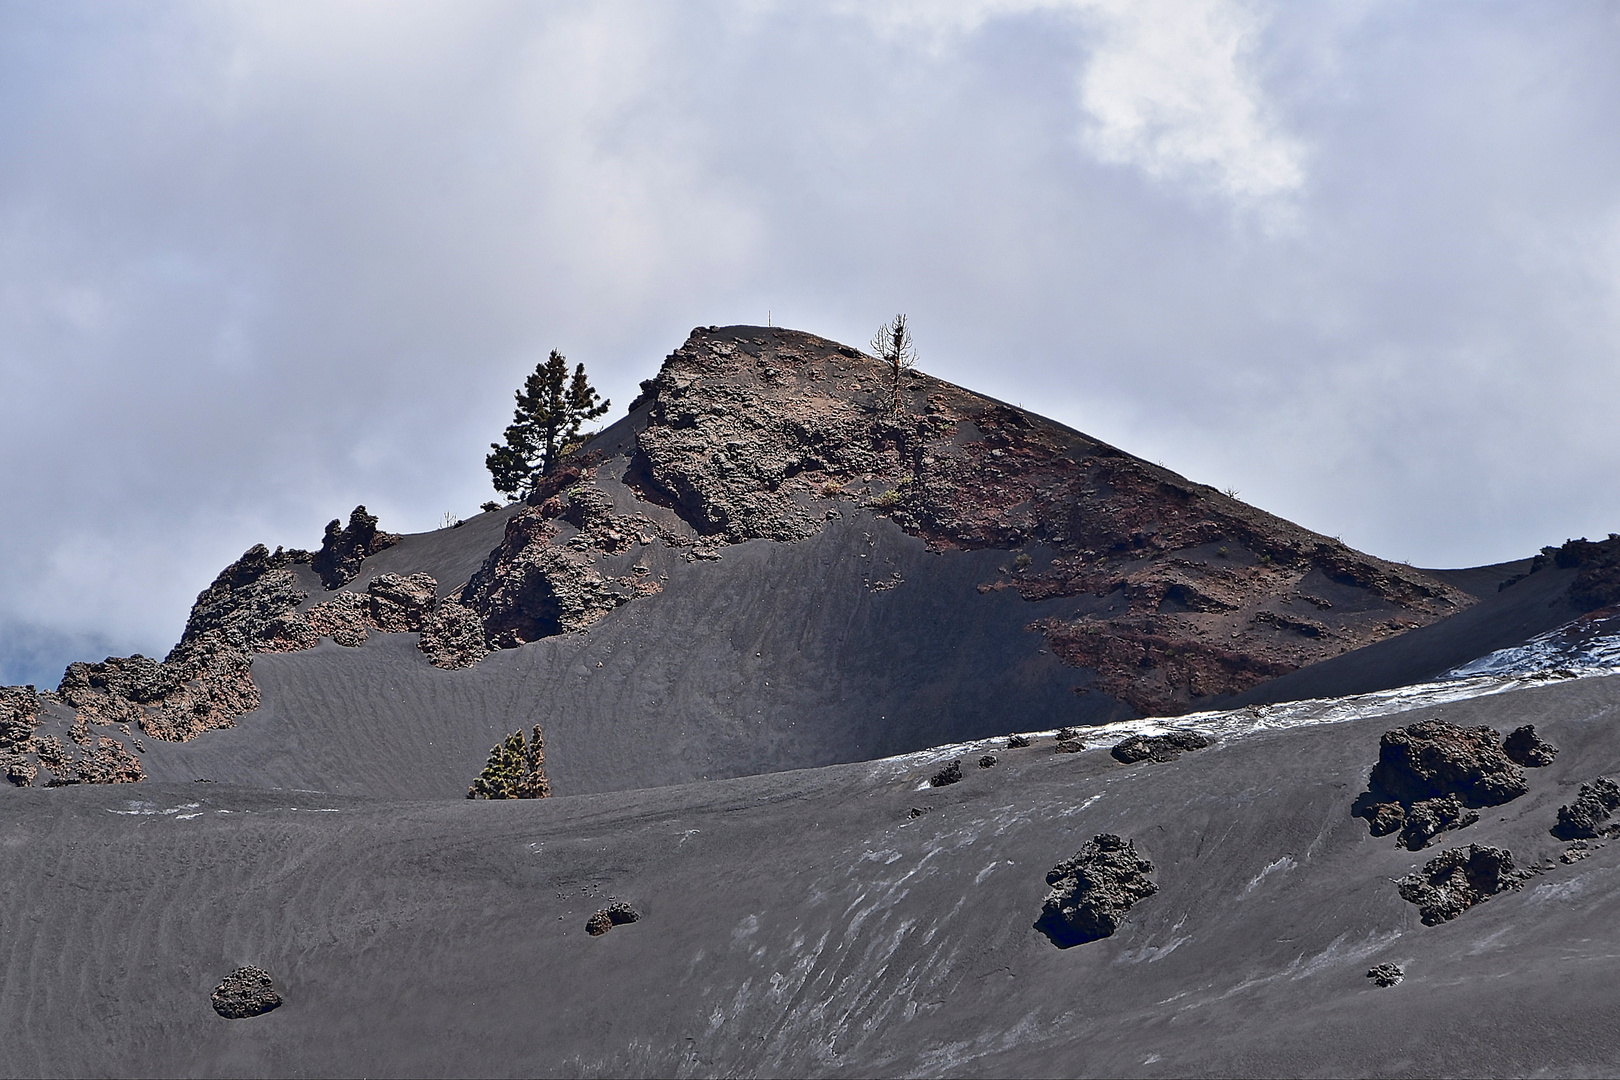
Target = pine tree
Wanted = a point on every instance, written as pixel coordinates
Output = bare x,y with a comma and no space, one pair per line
516,770
550,410
893,346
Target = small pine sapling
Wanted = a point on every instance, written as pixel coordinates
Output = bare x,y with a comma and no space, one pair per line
516,770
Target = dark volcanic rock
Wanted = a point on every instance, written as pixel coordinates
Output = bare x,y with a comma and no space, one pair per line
1383,818
1385,975
1425,820
609,917
343,549
398,604
1157,748
344,617
453,636
247,991
528,589
1069,746
1432,758
987,761
1016,742
1586,817
950,774
1525,747
1092,891
1457,879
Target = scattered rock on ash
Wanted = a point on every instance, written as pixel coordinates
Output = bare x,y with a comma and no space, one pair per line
1457,879
1385,974
1092,891
1069,746
1429,774
1585,818
1066,733
1016,742
247,991
987,762
918,811
1577,851
1525,747
1157,748
1427,819
609,917
1432,758
950,774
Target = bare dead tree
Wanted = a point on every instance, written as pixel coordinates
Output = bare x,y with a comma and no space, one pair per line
893,346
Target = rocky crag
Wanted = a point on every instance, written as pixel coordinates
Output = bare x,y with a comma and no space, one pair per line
1180,595
759,433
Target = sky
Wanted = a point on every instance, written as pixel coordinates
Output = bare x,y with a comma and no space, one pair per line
261,262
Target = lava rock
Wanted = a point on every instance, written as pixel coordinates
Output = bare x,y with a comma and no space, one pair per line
1383,818
1457,879
1425,820
988,761
1584,818
453,637
1016,742
1092,891
400,604
1069,746
1385,974
247,991
344,549
1157,748
609,917
950,774
1525,747
1432,758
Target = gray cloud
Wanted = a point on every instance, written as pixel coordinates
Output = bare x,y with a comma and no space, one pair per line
259,263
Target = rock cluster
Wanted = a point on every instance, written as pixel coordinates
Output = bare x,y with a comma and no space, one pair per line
1385,975
19,715
1457,879
1157,748
529,588
1431,774
247,991
950,774
1092,891
609,917
204,682
1587,817
344,548
1525,747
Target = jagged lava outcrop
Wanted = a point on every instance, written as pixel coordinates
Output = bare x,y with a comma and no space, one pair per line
1192,595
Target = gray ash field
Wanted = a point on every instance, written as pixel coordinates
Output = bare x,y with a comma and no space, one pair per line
753,619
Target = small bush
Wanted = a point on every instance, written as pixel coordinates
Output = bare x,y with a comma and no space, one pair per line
1022,560
831,489
887,499
516,770
489,507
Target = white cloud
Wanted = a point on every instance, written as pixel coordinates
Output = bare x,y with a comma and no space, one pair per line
1167,86
1170,89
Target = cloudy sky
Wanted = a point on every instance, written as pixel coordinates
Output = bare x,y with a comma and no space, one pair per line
260,262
